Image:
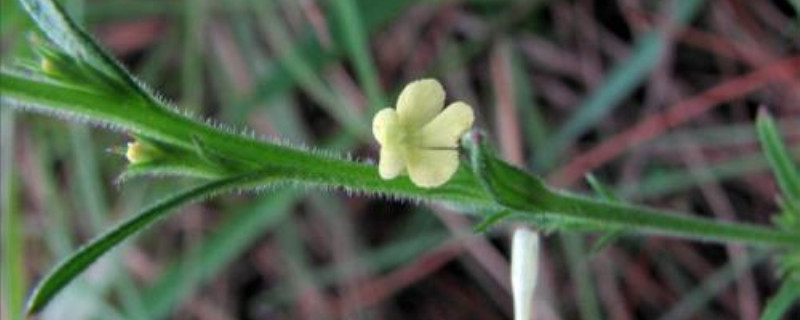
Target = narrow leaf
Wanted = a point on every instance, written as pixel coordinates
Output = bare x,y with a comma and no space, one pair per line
785,170
64,32
13,275
606,240
710,287
491,220
611,236
66,271
779,304
601,188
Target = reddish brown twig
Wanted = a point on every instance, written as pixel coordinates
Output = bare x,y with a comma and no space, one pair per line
679,113
380,289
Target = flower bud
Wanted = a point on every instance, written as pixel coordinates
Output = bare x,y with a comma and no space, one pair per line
140,152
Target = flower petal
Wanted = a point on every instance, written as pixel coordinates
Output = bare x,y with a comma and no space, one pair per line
432,168
385,125
445,130
392,162
419,102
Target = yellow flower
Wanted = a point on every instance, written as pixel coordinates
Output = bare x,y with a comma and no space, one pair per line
419,138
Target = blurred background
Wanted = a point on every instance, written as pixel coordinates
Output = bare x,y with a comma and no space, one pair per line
657,98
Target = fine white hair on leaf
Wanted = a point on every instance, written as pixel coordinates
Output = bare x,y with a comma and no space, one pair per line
62,114
369,161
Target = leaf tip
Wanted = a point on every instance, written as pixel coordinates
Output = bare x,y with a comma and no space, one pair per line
763,114
32,308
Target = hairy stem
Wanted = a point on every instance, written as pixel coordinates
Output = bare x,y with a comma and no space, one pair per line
321,170
667,223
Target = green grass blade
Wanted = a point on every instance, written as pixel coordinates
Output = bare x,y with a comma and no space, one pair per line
711,287
88,182
58,234
796,5
784,168
663,182
292,58
194,17
348,19
232,238
622,81
581,275
535,128
278,80
77,262
779,304
377,260
12,275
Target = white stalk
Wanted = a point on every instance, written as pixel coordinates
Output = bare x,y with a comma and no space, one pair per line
524,271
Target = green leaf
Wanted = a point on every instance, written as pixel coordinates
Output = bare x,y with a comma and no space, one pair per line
607,240
79,103
52,20
77,262
784,168
601,188
491,220
64,32
779,304
520,191
508,185
228,241
611,236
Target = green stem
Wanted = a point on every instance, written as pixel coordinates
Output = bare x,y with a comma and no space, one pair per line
666,223
322,170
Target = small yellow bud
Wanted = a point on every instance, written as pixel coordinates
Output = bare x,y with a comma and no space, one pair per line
47,66
418,137
139,152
